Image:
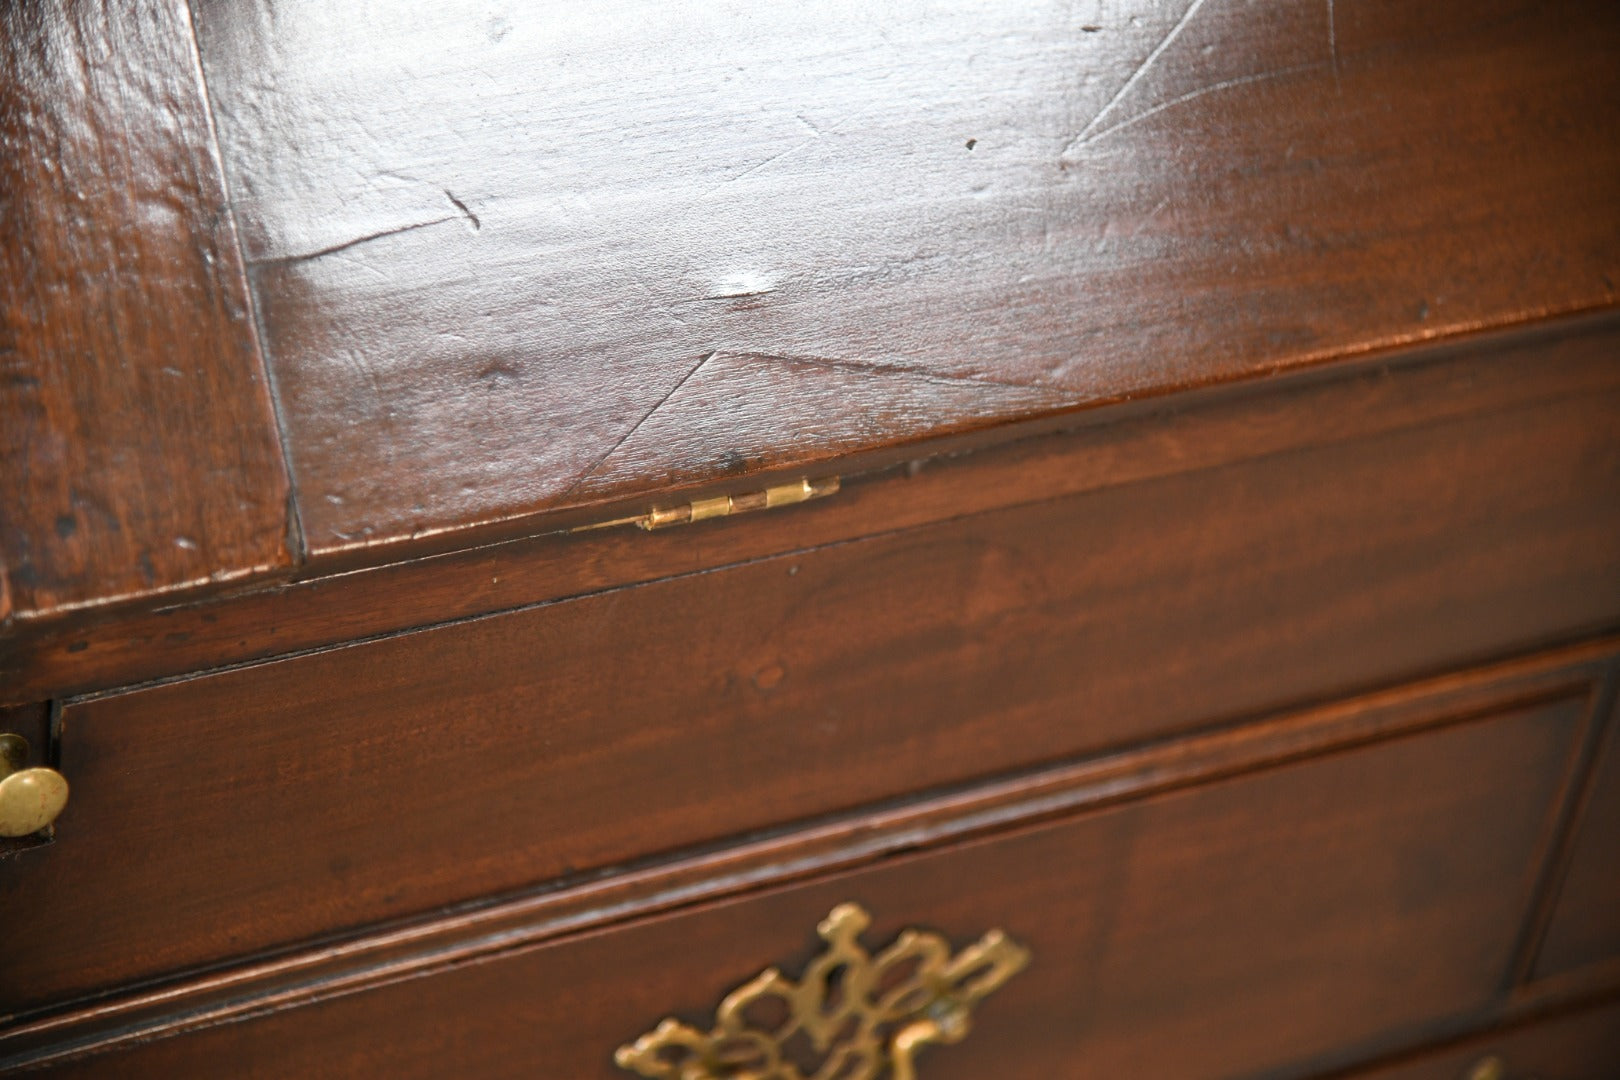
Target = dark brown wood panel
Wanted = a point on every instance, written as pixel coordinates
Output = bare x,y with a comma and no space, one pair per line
511,258
1585,927
1481,376
331,968
1250,924
988,643
1584,1045
138,449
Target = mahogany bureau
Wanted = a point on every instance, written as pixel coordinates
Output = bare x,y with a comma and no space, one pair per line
836,541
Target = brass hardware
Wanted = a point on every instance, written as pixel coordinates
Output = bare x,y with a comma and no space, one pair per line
1487,1068
865,1017
725,505
30,799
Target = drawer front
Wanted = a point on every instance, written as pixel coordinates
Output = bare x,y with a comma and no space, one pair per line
1585,926
1580,1046
258,807
1268,920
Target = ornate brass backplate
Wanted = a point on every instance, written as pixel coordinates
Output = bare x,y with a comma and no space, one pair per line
862,1017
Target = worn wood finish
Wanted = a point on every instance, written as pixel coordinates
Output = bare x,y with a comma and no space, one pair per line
138,451
1583,1045
1253,923
1481,377
422,947
1585,927
513,258
991,642
1070,654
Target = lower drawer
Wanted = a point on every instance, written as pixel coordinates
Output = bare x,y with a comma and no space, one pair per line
1579,1046
1272,921
1585,926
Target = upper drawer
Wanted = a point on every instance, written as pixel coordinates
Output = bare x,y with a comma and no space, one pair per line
256,807
1250,926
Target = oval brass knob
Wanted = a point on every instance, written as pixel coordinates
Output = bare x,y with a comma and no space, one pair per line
861,1015
30,799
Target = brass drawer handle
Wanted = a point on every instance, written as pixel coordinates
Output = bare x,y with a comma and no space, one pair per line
30,799
863,1016
1489,1067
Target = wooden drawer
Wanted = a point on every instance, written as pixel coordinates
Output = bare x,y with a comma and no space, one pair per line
1585,926
1266,921
1580,1046
258,807
1197,382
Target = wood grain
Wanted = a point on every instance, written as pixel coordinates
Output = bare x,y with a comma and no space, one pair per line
493,811
991,642
1585,928
139,455
421,947
1582,1045
1484,377
512,259
1253,924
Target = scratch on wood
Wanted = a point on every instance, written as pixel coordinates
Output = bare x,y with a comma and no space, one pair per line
472,218
1192,95
890,369
1151,214
816,132
1136,76
361,264
760,165
637,426
737,289
284,260
810,361
1333,42
357,362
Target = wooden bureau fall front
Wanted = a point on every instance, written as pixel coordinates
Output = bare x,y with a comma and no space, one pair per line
810,542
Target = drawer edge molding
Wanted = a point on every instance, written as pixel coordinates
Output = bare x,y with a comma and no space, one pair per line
381,956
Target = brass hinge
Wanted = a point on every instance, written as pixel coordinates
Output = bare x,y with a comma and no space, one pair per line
725,505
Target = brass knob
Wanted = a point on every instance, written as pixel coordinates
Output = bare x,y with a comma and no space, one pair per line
1489,1067
30,799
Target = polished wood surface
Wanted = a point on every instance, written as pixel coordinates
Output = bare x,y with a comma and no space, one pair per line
1222,596
1253,923
989,642
1319,421
1568,679
1585,927
139,455
509,258
474,324
1583,1045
